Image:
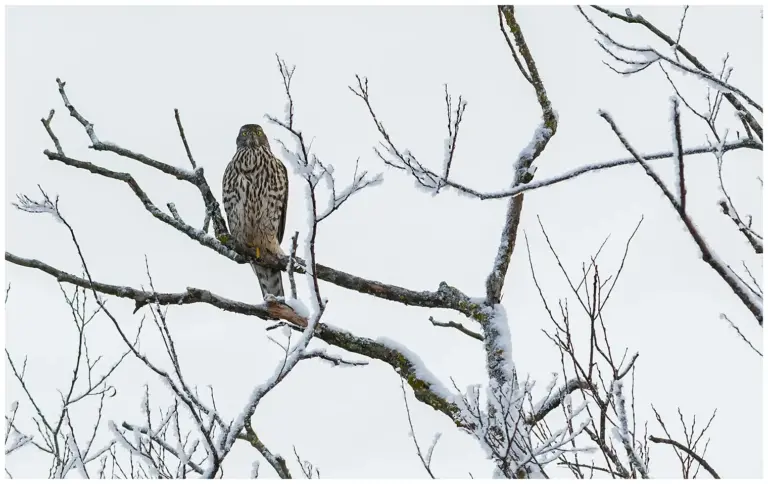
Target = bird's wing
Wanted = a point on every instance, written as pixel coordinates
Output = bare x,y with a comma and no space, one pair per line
284,207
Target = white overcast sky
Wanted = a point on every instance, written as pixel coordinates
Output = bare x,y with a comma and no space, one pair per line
127,69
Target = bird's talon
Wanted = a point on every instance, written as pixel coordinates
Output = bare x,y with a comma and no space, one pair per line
258,253
223,238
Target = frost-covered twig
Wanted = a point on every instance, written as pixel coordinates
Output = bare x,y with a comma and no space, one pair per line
557,399
292,264
753,303
310,471
680,32
332,359
677,148
651,56
359,182
750,120
738,331
454,121
728,208
622,430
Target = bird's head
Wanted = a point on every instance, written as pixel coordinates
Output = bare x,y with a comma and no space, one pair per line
251,136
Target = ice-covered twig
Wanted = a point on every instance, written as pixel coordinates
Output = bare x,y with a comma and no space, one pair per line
454,121
728,208
653,56
332,359
397,158
154,437
359,182
701,68
680,32
556,399
736,328
287,75
310,471
753,303
291,264
46,205
677,149
623,430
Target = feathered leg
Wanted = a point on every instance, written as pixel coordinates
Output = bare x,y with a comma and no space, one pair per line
270,280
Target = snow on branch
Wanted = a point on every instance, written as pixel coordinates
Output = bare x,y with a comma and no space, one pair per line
46,205
622,430
724,90
648,56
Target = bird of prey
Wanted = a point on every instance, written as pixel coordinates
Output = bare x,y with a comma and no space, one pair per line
255,193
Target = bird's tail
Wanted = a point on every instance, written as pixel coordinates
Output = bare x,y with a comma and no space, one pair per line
270,280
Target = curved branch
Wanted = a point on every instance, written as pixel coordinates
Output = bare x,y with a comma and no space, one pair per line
700,460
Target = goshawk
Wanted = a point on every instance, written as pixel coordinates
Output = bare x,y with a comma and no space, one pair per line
255,193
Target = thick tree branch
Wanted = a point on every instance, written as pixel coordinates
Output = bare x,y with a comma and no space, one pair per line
541,137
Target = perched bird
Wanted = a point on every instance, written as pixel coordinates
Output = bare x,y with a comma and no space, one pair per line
255,193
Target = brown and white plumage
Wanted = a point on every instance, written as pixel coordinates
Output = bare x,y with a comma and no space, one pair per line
255,193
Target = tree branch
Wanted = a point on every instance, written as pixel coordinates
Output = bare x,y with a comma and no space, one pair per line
747,297
678,445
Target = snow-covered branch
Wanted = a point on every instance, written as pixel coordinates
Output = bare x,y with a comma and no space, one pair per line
699,69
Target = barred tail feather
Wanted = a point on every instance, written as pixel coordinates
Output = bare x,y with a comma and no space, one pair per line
270,280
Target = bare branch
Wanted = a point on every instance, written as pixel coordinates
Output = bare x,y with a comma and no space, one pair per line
705,464
752,303
460,327
184,139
